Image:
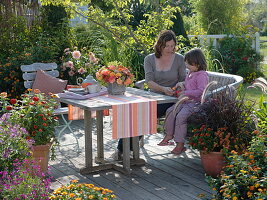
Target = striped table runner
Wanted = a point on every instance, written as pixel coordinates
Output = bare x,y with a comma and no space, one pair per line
132,115
76,113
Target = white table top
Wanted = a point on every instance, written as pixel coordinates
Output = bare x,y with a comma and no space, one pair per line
93,105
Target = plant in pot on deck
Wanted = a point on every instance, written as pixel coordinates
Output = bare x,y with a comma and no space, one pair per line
34,112
244,176
223,123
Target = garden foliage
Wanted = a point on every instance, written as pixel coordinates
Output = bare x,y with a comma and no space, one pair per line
13,144
26,181
238,57
244,176
220,16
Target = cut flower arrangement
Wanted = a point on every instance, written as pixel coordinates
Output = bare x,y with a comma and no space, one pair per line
82,191
115,73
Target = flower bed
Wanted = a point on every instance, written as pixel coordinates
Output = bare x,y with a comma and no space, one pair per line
82,191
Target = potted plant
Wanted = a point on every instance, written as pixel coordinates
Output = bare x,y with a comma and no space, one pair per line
34,112
223,123
116,76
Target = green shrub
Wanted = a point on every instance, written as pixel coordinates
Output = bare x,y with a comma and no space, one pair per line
236,52
13,33
249,74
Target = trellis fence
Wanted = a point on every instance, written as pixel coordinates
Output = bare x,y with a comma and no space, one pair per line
214,40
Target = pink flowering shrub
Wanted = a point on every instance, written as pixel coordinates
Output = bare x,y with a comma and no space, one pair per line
26,181
78,63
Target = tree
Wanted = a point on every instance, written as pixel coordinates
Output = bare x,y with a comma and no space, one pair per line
116,16
220,16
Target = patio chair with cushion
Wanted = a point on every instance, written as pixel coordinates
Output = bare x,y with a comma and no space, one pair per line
223,81
43,76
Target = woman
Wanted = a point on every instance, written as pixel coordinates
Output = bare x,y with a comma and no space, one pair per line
163,70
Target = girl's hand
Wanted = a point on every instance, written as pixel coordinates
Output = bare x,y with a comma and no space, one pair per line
168,91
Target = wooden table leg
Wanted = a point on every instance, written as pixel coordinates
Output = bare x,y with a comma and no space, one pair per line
100,143
88,142
135,143
136,152
126,155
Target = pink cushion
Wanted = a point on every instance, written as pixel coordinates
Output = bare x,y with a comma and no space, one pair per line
46,83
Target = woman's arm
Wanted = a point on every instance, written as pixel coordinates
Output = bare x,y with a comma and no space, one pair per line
156,87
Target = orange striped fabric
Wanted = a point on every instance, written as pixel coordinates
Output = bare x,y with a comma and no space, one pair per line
132,115
76,113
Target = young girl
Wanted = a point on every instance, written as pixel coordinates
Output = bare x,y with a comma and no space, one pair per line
192,88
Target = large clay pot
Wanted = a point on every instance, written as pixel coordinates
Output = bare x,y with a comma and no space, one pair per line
212,163
41,155
116,89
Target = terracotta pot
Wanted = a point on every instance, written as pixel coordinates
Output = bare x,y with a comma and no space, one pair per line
41,155
212,163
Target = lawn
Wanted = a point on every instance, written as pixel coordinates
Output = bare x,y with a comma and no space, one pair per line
254,94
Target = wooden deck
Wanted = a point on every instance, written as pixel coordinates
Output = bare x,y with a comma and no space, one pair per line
165,176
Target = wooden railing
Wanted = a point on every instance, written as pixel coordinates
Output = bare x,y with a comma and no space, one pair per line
214,40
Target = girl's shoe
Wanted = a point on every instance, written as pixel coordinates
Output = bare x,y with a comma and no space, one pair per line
178,151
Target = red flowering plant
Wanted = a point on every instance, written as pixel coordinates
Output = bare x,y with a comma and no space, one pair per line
34,112
115,73
206,139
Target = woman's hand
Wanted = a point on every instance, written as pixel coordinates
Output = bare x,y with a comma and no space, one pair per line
168,91
179,86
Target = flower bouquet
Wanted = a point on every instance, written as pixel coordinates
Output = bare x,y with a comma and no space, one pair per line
116,76
82,191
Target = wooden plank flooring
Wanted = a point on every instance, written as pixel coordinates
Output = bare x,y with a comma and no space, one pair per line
165,176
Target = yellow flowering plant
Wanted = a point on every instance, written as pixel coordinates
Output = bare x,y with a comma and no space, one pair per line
82,191
244,176
115,73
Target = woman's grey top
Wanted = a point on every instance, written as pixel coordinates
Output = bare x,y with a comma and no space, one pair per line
177,72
